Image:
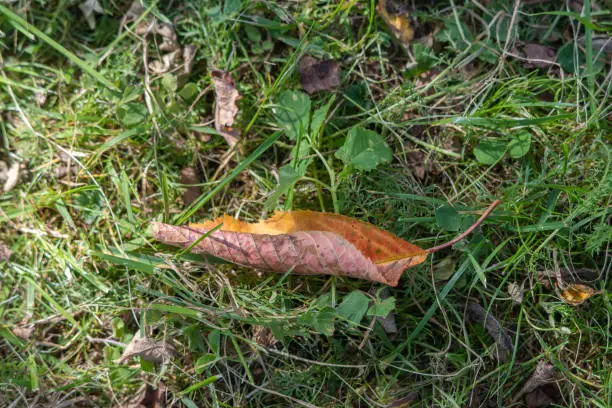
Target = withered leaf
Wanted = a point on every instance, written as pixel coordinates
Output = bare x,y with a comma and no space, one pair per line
318,75
396,15
576,293
503,341
540,390
304,242
189,176
226,107
539,56
88,8
148,349
189,52
10,176
5,252
23,332
149,397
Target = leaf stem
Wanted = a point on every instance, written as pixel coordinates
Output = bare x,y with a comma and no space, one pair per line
467,232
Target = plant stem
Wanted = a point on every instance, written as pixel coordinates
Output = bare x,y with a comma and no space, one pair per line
468,231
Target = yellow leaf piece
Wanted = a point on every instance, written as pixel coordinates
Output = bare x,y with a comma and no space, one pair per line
397,18
576,293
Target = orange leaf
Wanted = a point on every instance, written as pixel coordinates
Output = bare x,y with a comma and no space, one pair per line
305,242
576,293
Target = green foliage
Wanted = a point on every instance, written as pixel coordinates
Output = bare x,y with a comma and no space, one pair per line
354,306
364,149
448,218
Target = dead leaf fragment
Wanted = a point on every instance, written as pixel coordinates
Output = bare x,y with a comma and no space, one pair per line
576,293
318,75
23,332
149,397
503,341
539,56
305,242
226,107
189,176
516,292
148,349
395,14
89,7
540,390
11,177
5,252
189,52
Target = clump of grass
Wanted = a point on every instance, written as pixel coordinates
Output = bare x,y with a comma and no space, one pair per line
99,165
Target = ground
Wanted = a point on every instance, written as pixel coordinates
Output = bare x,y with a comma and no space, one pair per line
108,124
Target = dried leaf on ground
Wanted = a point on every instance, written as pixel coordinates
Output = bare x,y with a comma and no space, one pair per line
149,397
189,53
263,336
395,14
189,176
503,341
516,292
9,175
540,390
539,56
5,252
148,349
304,242
576,293
226,107
89,7
404,401
318,75
23,331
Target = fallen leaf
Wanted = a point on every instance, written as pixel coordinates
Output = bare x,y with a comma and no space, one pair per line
318,75
503,341
189,176
405,401
23,332
540,389
226,108
89,7
576,293
396,15
11,177
148,350
516,292
263,336
305,242
5,252
189,52
149,397
539,56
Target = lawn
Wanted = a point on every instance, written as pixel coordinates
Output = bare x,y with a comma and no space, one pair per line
414,118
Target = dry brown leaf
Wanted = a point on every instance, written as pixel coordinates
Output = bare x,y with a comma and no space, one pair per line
23,332
148,397
396,16
305,242
189,52
516,292
318,75
503,341
576,293
148,349
226,107
539,56
9,175
5,252
540,390
189,176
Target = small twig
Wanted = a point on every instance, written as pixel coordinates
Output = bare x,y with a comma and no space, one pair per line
467,232
105,341
367,333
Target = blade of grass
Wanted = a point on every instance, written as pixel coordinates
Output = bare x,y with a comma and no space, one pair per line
22,25
189,211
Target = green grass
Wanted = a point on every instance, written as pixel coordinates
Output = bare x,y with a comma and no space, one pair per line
102,147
